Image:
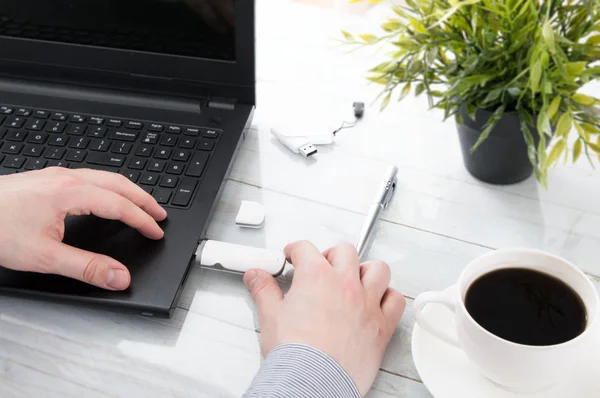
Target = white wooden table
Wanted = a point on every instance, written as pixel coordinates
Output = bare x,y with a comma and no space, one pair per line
440,219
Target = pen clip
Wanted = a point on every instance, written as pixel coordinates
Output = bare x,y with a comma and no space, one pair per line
389,193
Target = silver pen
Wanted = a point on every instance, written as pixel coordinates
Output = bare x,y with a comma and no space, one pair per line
383,199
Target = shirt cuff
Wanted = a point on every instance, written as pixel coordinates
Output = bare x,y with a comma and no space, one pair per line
301,371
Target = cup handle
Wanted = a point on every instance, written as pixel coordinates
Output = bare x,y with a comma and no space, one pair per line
447,299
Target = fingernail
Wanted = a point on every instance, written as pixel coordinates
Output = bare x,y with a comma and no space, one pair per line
250,278
117,279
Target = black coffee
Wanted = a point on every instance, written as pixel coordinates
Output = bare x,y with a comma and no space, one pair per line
526,307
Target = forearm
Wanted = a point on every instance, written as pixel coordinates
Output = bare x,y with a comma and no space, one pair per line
299,371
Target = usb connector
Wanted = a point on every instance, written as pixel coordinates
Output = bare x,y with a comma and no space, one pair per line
307,150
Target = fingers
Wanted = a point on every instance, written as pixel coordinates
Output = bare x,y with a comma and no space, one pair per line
343,258
86,199
304,256
265,291
94,269
392,306
122,186
375,277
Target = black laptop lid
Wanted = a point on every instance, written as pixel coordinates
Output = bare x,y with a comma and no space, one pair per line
188,47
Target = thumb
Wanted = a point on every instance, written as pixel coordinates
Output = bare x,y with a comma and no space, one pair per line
264,289
92,268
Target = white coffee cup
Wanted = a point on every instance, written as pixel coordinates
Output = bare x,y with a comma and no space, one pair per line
515,367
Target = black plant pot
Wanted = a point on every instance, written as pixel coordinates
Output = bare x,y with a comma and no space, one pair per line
502,157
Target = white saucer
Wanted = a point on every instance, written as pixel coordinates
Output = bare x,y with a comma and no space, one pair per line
447,372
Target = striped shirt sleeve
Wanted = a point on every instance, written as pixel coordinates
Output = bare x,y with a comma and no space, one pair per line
300,371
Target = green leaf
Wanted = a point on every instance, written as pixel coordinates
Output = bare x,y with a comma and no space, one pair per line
548,35
419,89
555,153
368,38
347,35
583,99
514,91
575,69
487,129
590,128
582,133
595,148
577,150
594,40
535,76
459,119
543,125
405,91
471,111
391,26
493,95
564,125
386,101
553,108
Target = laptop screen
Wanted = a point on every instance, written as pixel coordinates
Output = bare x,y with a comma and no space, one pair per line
191,28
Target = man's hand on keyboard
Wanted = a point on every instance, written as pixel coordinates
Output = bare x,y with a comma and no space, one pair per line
33,207
335,305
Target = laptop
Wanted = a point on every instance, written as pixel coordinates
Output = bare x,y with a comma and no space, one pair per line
161,91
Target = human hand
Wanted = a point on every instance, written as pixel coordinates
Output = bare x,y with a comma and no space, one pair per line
335,304
33,207
218,14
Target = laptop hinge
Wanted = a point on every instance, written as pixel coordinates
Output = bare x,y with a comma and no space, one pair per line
222,103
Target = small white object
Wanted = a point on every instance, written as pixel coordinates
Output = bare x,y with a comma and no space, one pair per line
251,215
238,258
303,141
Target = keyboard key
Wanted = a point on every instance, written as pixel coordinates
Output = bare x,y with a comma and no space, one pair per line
16,135
150,138
97,132
55,153
122,135
210,133
2,158
79,143
157,128
41,114
169,181
114,122
3,133
58,140
174,129
6,110
137,163
175,168
182,155
2,118
75,155
134,125
12,149
57,163
144,150
168,140
96,121
33,150
14,162
75,130
157,165
147,189
99,145
149,179
206,144
37,138
105,159
61,117
197,165
35,125
162,195
195,132
183,195
133,175
23,112
56,127
36,164
121,147
15,122
162,153
187,143
77,119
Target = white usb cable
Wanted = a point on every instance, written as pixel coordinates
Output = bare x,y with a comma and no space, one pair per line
301,142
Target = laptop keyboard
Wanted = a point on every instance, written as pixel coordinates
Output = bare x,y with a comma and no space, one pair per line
166,160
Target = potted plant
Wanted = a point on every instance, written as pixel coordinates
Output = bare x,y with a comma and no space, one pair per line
508,71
